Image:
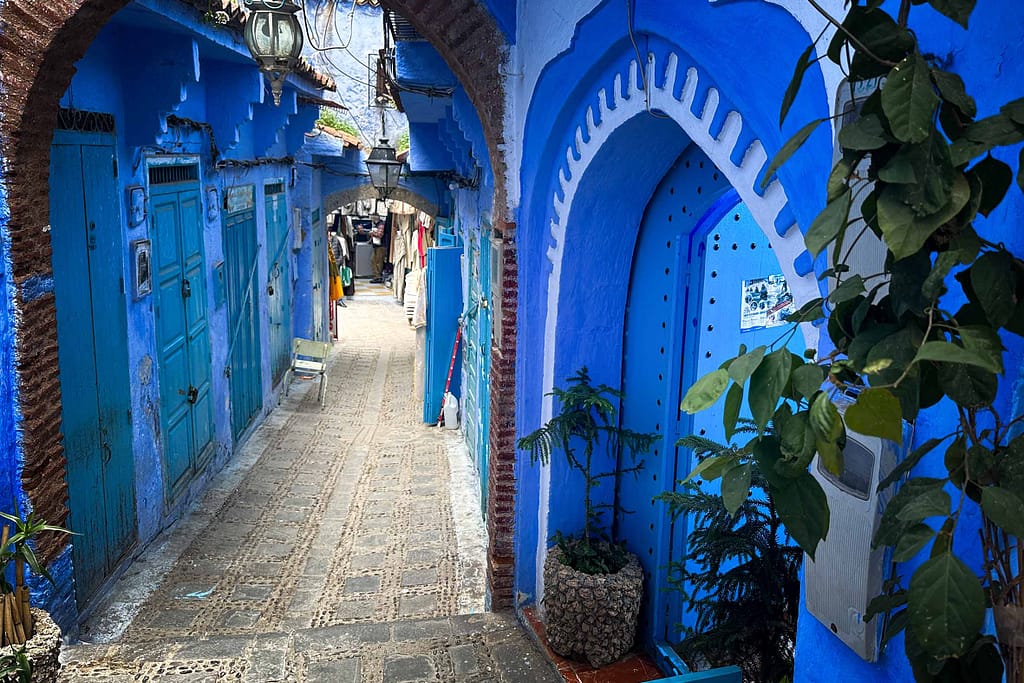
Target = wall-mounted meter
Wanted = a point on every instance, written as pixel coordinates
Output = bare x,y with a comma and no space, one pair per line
847,573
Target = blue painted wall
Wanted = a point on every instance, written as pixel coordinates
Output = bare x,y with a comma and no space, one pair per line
153,59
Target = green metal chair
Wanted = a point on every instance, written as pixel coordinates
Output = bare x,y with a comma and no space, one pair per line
309,360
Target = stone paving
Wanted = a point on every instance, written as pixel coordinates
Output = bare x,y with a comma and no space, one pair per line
328,550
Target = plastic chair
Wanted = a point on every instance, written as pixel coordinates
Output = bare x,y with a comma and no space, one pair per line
309,360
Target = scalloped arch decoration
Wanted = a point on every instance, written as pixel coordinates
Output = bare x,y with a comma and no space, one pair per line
674,92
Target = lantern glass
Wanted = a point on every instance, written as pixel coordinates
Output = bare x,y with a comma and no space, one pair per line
384,167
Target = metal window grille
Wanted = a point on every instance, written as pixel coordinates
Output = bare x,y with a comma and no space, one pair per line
84,121
274,188
166,175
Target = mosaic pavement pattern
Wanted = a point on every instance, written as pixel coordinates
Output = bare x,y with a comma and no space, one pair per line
328,550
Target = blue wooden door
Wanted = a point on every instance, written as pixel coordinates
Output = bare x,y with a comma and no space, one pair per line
444,305
699,257
240,260
279,279
477,357
183,339
92,340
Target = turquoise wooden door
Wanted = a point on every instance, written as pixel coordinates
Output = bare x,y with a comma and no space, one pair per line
245,366
183,339
444,306
279,279
477,358
93,354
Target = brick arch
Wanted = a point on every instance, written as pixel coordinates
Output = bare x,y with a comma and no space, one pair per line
39,45
467,37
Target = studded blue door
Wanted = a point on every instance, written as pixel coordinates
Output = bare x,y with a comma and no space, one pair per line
183,338
240,254
88,248
699,256
279,279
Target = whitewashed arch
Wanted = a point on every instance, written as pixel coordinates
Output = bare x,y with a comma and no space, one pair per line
617,105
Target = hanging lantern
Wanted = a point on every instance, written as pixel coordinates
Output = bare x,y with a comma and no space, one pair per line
274,38
384,167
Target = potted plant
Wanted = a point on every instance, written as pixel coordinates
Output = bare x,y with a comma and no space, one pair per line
742,581
29,639
593,586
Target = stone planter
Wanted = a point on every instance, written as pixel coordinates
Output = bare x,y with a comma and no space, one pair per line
43,648
591,617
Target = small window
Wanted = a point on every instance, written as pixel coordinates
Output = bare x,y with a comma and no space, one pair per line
166,175
274,188
858,466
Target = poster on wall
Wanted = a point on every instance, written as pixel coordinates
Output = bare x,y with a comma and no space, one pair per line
766,303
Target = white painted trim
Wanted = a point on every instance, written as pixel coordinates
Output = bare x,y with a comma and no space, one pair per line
624,102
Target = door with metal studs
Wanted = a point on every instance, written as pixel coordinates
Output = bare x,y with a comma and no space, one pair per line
703,281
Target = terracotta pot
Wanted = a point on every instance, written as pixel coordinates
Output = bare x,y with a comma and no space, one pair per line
43,648
591,616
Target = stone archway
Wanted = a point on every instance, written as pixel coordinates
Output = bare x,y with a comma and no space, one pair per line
338,199
39,46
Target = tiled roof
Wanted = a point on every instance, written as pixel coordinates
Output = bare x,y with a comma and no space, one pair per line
350,140
236,21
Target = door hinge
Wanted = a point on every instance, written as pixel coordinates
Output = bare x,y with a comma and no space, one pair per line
186,288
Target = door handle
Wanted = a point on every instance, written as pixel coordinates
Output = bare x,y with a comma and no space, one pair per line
107,453
186,288
193,395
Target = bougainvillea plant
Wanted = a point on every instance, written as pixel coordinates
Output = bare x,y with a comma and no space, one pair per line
924,333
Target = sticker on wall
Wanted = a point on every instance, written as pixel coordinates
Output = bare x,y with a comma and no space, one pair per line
240,198
766,303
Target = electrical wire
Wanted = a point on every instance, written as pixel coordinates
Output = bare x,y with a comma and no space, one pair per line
641,63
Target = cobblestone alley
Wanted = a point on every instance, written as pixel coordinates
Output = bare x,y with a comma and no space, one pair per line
329,549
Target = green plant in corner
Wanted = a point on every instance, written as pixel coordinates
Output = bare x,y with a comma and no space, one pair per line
16,623
586,427
15,666
744,585
916,173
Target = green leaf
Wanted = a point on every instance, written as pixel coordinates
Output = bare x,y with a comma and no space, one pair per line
880,604
905,232
731,415
789,149
993,281
876,413
912,542
909,99
968,385
1015,110
994,131
711,468
891,527
736,487
1005,509
864,134
909,462
803,508
985,342
946,606
705,392
952,89
849,288
802,64
957,10
828,428
996,178
767,384
840,175
743,366
807,379
951,353
933,502
828,224
809,312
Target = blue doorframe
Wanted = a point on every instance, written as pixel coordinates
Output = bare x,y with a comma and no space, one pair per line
92,338
183,337
241,260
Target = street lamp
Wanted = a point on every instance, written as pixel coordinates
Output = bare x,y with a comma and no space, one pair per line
384,168
274,38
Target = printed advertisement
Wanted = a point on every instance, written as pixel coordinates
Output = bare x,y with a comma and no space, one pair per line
766,302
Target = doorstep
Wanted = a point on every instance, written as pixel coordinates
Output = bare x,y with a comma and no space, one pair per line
634,668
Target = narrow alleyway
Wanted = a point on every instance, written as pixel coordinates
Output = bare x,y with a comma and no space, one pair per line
328,550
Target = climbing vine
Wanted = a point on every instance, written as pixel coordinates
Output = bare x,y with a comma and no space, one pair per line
926,332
